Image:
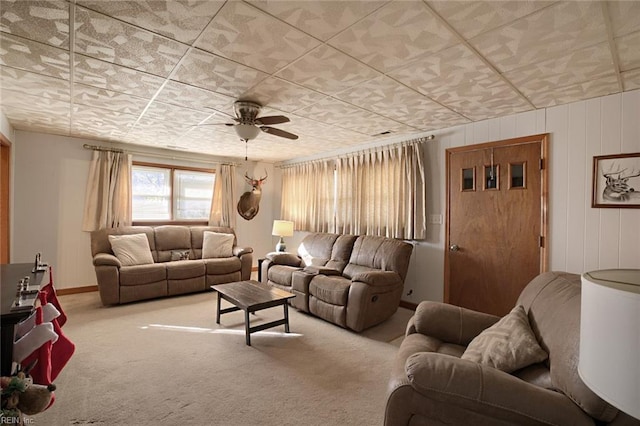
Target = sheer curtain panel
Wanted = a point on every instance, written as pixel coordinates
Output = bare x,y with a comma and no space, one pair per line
308,196
223,211
382,192
108,193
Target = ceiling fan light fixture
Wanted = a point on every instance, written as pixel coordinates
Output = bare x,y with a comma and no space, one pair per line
247,131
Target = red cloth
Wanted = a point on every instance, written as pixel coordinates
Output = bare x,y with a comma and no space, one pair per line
63,348
48,295
41,371
61,351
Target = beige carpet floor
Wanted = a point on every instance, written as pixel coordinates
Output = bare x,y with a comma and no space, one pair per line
166,362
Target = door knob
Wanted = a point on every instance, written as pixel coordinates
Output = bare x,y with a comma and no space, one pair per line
454,247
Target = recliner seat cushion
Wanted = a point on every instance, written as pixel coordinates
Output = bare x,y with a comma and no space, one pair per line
282,274
332,289
222,266
185,270
142,274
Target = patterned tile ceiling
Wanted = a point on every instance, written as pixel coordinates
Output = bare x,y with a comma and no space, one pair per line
349,72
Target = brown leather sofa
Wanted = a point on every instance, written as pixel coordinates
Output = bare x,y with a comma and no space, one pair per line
431,384
122,284
352,281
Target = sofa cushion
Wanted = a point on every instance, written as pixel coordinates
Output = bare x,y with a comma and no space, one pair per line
281,274
508,345
143,274
216,245
222,265
316,249
185,270
341,252
100,239
197,237
331,289
131,249
380,253
171,238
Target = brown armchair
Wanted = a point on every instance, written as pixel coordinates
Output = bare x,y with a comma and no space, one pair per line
431,384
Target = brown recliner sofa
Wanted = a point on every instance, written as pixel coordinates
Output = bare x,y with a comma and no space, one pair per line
122,284
431,385
352,281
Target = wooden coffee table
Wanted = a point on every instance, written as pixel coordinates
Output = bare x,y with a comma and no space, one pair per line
251,296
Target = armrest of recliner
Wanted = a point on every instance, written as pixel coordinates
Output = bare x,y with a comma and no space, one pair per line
313,269
287,259
489,392
378,278
450,323
106,259
239,251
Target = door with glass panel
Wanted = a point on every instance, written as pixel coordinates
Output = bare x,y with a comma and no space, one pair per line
496,222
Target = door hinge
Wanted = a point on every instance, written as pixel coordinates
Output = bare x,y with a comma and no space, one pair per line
541,241
542,164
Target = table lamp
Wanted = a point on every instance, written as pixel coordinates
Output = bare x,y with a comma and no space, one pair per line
610,337
282,228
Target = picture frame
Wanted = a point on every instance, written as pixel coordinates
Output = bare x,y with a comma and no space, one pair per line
616,181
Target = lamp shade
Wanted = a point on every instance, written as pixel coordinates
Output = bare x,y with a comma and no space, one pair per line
610,337
282,228
247,131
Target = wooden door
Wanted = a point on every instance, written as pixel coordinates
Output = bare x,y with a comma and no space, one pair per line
496,222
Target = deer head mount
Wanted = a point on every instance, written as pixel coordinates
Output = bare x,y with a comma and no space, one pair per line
617,187
249,203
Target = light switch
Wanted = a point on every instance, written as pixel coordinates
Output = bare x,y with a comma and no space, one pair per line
435,218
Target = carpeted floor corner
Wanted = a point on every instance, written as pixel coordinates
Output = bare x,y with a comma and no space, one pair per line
166,362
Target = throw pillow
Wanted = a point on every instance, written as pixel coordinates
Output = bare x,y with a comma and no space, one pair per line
179,255
508,345
215,244
131,249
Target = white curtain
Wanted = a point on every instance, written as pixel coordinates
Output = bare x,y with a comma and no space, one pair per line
308,196
382,192
108,194
223,212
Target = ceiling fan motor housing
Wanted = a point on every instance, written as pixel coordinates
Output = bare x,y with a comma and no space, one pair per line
246,111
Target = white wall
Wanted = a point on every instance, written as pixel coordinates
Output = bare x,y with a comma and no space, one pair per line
50,178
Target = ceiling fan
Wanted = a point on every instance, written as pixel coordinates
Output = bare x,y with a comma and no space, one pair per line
248,125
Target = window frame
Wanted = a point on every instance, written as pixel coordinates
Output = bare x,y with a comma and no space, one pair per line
172,169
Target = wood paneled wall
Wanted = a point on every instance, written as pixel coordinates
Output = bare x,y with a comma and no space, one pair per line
581,238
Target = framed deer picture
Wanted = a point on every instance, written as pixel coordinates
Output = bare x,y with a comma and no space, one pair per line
616,181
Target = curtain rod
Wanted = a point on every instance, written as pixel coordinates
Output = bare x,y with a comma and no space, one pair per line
158,155
373,148
101,148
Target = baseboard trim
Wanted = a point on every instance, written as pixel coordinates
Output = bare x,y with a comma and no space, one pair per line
408,305
74,290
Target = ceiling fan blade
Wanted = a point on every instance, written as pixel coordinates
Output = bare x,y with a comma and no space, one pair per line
278,132
272,119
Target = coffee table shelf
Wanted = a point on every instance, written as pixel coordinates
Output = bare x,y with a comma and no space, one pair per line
251,296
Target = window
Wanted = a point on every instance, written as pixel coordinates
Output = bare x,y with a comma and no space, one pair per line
169,194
